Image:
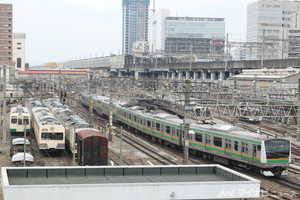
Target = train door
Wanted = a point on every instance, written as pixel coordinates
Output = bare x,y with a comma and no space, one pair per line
207,142
227,146
254,153
244,150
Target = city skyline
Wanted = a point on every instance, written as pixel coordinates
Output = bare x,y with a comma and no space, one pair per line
61,30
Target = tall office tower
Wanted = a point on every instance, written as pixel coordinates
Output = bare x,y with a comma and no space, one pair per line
266,22
6,29
135,23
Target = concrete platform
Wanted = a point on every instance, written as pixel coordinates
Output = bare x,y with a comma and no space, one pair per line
128,182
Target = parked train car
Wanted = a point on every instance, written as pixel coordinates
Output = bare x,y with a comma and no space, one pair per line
249,113
222,143
92,148
19,120
90,145
48,131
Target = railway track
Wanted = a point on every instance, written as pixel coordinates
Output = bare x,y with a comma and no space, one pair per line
100,123
152,152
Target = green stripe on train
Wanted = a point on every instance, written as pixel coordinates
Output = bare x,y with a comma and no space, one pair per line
277,161
196,130
15,130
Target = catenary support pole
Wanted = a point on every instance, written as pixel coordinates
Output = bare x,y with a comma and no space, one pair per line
4,105
121,139
25,145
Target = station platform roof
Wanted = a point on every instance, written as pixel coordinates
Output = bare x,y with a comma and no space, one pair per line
48,72
127,182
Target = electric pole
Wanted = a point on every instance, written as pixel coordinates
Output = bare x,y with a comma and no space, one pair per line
4,105
1,100
59,77
187,120
226,54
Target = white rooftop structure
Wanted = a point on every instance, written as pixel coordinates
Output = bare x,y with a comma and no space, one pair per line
127,182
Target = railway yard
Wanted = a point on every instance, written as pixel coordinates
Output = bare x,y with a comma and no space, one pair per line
128,145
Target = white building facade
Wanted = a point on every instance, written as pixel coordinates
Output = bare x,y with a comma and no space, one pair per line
267,21
19,51
159,33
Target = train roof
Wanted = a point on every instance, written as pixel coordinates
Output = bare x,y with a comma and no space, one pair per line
19,141
44,116
34,102
102,98
219,129
19,110
68,117
222,129
54,103
89,133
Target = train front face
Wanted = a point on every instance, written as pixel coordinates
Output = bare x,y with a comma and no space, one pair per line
276,156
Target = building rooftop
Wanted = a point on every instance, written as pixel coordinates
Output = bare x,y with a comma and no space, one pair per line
152,182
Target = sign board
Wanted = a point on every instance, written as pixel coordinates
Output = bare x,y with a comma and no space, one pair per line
186,143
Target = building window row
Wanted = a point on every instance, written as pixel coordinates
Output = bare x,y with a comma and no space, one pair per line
6,25
273,25
267,12
6,8
269,18
5,19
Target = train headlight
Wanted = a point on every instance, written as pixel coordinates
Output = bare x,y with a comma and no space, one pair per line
60,146
43,146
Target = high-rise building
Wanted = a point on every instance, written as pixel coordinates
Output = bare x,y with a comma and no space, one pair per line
135,23
266,22
6,29
19,51
159,29
201,36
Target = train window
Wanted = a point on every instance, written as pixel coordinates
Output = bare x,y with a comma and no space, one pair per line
14,121
168,129
228,144
258,148
19,121
236,146
129,116
149,123
218,141
158,126
198,137
58,136
244,147
46,136
26,121
134,117
124,114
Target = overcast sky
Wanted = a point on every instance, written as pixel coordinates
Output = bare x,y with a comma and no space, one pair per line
61,30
